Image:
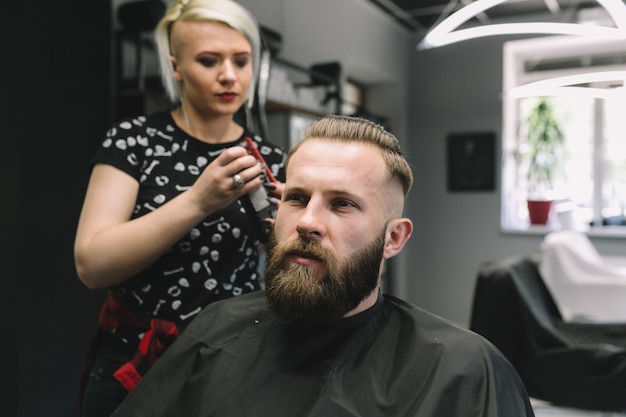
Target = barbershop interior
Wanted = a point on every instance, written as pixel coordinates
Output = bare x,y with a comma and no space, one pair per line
496,104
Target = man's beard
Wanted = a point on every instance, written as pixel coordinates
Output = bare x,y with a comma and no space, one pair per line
298,297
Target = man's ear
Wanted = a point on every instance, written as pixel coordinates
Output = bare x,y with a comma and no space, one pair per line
398,233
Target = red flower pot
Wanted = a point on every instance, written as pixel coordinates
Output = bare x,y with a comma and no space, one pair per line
538,211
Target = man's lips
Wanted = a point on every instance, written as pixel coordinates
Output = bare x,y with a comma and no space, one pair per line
304,258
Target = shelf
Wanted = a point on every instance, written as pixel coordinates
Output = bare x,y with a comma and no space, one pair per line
277,106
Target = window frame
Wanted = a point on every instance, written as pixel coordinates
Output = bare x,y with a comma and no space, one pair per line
517,56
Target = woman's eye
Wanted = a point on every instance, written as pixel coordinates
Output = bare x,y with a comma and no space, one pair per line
208,62
242,62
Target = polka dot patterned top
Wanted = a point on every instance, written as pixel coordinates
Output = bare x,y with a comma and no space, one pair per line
219,257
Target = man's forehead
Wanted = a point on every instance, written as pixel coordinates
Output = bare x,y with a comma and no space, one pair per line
336,155
335,148
357,168
335,167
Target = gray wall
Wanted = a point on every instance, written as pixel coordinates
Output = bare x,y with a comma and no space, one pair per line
454,89
371,48
457,89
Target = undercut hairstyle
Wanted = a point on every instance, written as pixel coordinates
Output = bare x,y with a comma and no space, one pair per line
221,11
359,130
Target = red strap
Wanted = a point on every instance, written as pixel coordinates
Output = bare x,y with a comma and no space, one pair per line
153,343
114,313
128,376
159,334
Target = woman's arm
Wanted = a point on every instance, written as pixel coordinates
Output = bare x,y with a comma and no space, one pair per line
110,248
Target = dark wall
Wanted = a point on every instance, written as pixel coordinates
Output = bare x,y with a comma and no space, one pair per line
59,108
8,216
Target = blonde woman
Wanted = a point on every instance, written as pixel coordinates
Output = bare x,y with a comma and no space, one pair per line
161,226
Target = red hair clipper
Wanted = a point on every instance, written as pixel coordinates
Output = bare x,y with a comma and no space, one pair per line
257,203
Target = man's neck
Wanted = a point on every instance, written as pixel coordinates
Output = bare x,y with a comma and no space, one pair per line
367,303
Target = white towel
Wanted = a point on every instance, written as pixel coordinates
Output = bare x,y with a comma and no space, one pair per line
584,286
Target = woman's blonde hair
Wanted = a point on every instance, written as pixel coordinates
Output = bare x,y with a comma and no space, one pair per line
222,11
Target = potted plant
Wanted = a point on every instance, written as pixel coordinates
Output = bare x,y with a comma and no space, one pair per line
544,148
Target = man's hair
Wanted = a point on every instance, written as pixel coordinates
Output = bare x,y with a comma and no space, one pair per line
221,11
359,130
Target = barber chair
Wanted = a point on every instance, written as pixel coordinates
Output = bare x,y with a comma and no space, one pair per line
569,364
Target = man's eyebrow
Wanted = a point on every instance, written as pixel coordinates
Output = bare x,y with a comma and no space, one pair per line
293,189
342,192
339,192
345,194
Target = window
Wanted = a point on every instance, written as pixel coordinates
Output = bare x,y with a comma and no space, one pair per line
589,187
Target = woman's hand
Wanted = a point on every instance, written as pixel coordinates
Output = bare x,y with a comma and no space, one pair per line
217,186
275,192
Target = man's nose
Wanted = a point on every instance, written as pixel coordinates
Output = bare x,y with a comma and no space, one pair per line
311,224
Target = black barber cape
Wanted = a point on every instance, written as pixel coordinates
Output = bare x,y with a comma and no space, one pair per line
237,359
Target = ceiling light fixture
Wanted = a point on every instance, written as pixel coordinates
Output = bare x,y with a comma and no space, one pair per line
444,33
573,86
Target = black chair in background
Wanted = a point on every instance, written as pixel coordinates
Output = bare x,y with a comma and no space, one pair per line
570,364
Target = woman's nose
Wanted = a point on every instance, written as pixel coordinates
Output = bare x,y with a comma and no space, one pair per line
227,74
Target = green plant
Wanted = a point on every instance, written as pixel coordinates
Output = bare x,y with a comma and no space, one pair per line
544,140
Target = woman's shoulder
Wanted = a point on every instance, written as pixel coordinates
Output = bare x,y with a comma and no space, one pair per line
144,131
161,120
128,140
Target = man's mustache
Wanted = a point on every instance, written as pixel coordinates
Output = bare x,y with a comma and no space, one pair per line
307,248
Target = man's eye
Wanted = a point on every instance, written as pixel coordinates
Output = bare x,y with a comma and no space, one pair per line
296,198
344,203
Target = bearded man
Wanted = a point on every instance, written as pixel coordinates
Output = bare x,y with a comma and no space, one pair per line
322,339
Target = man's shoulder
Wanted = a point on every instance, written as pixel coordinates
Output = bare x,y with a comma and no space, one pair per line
428,329
434,345
242,307
418,314
228,318
456,362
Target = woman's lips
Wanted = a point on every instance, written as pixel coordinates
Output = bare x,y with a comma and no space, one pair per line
227,96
